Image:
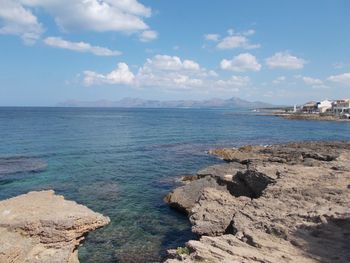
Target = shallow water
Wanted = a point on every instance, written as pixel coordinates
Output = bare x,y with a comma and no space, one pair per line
122,162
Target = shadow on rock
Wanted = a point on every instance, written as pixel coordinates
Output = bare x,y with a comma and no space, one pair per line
327,242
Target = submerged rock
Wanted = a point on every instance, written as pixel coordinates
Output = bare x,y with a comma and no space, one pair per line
44,227
20,164
294,207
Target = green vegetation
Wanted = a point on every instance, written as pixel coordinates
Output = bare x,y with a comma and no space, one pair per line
182,250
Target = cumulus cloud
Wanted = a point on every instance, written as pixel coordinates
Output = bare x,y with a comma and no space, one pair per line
167,72
95,15
285,60
171,72
74,15
171,63
19,21
148,35
212,37
80,47
237,40
249,32
343,79
232,42
312,81
121,75
241,63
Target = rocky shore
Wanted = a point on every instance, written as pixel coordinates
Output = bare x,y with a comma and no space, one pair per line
43,227
279,203
306,116
302,116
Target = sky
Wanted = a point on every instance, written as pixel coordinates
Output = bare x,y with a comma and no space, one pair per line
281,52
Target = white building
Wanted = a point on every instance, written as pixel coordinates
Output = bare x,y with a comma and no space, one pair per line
323,106
341,106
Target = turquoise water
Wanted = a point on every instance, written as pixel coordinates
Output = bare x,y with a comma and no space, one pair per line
122,162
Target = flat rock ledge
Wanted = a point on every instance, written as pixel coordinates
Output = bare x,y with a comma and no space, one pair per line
279,203
43,227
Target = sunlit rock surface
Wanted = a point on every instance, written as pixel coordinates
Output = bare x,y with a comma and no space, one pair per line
294,206
44,227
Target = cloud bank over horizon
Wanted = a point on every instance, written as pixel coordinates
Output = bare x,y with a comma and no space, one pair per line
133,48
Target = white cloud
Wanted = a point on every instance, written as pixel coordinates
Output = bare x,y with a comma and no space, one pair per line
285,60
171,63
148,35
121,75
237,40
312,81
74,15
171,72
212,37
249,32
343,79
279,80
241,63
234,83
19,21
230,31
80,47
95,15
168,73
232,42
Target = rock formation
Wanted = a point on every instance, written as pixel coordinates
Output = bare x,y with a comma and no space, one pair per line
279,203
44,227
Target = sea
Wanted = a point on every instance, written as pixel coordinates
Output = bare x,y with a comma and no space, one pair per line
121,162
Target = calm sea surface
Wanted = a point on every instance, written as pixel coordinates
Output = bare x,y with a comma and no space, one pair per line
122,162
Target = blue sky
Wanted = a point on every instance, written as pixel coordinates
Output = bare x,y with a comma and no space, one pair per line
274,51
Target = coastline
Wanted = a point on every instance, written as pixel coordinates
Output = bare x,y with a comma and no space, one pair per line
303,116
289,114
277,203
289,199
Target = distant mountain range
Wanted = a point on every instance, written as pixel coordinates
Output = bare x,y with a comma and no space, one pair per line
140,103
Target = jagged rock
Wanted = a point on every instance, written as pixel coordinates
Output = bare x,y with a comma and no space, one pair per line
44,227
231,178
254,181
241,155
285,153
300,211
222,171
184,197
226,175
212,215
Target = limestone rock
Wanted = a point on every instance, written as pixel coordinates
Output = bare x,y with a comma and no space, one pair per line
184,197
212,215
296,207
44,227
